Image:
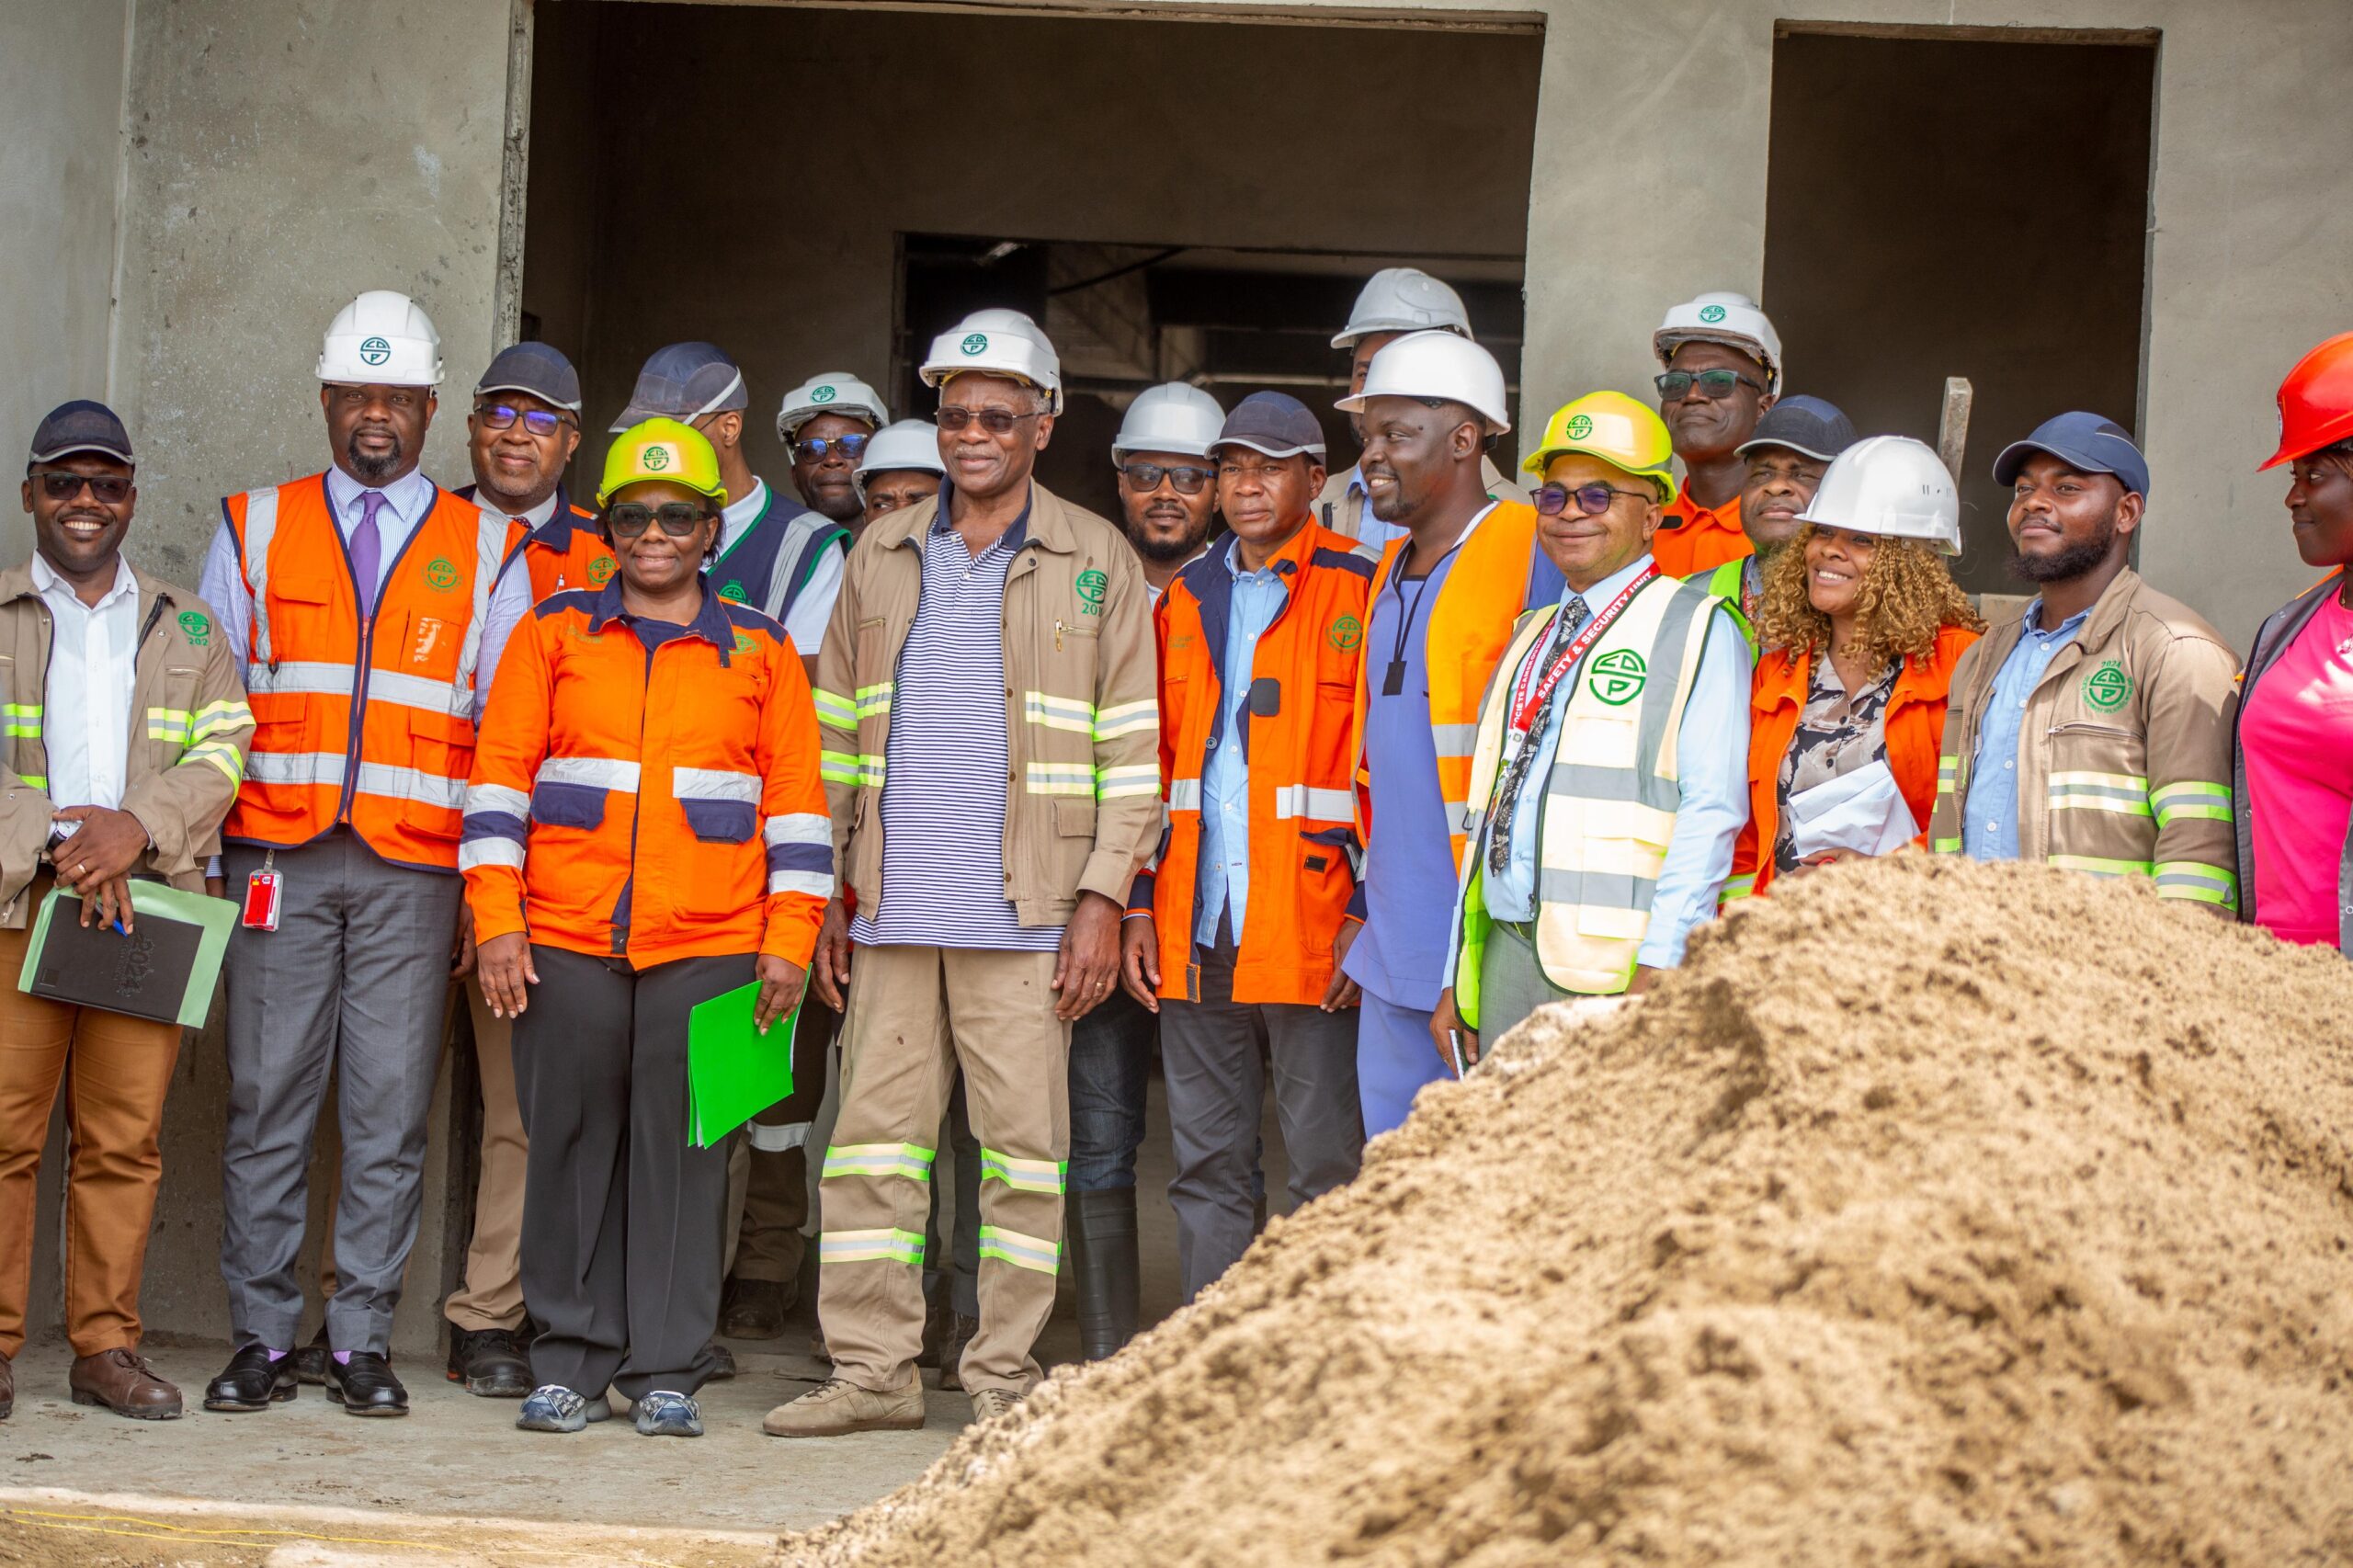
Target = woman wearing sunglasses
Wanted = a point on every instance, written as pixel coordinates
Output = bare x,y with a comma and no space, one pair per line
1860,628
645,829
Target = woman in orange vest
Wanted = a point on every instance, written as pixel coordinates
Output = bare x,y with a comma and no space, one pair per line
646,830
1860,627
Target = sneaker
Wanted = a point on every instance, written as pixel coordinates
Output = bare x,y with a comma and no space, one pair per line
837,1406
554,1408
990,1403
661,1414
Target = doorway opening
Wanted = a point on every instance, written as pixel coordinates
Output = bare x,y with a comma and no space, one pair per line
1943,203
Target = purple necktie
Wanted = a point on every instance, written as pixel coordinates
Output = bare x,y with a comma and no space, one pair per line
367,549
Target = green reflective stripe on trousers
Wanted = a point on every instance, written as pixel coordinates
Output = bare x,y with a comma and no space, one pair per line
1127,719
870,1247
1022,1252
848,768
2189,801
2100,868
1945,846
910,1160
1023,1175
832,709
2196,880
874,700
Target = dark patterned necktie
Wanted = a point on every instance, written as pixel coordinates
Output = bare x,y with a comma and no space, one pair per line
1564,629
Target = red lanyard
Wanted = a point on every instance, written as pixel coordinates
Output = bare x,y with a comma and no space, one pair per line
1525,705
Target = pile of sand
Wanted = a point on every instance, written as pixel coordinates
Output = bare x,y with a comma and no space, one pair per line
1932,1213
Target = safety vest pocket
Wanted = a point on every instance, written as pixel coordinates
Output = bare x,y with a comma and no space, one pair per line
558,804
721,822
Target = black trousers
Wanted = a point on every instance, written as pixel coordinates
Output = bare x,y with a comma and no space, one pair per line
624,1223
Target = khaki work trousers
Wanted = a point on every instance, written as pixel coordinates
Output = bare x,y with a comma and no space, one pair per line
117,1070
492,1293
914,1015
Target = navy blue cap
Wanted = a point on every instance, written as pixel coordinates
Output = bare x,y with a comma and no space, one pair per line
2086,442
535,368
684,381
80,426
1810,426
1274,422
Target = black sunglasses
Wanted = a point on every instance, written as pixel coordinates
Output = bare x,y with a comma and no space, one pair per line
679,519
1591,499
996,421
108,490
1712,385
815,448
537,421
1144,478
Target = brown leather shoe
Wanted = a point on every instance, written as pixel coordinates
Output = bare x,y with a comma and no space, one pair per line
123,1382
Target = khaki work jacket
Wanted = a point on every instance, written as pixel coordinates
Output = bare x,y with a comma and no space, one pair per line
189,732
2124,758
1082,712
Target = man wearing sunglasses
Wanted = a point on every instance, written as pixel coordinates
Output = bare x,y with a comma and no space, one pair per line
1167,484
825,424
127,733
1723,370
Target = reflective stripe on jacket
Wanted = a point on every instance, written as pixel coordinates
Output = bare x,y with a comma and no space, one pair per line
1082,717
186,753
2271,639
1470,625
1913,723
2124,758
1294,732
385,744
1607,813
659,805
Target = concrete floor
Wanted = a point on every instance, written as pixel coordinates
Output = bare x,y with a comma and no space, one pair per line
456,1455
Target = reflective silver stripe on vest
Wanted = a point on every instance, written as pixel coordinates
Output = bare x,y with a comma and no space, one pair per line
597,772
497,798
1640,785
261,527
1666,676
490,852
1183,794
800,828
411,784
419,691
1610,890
490,553
1455,739
296,679
323,768
714,784
1305,801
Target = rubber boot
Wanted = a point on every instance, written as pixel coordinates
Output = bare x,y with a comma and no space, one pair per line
1103,1257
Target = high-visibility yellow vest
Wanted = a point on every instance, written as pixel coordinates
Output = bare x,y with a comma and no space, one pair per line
1608,813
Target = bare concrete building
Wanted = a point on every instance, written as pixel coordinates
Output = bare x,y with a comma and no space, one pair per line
2139,206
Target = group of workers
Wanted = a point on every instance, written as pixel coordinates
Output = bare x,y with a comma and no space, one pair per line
1003,799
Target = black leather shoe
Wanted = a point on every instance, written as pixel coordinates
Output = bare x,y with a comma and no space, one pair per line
753,1309
252,1382
490,1362
310,1361
723,1362
365,1385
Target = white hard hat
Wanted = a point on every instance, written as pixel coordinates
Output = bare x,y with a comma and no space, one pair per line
909,444
835,391
382,339
1436,364
1403,299
1893,486
1722,316
1174,416
1000,343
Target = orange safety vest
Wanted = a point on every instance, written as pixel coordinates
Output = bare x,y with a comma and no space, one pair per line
1470,627
568,550
1295,728
1914,723
654,805
383,742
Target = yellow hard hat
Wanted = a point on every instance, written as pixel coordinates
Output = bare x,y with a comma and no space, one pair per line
664,450
1614,428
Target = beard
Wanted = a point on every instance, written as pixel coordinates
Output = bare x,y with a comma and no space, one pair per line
374,471
2070,563
1169,550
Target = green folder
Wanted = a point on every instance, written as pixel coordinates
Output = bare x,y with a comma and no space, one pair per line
733,1072
210,917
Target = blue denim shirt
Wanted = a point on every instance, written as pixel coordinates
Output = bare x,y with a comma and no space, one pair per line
1989,819
1259,598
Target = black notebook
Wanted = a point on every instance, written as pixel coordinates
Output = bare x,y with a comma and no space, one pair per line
144,973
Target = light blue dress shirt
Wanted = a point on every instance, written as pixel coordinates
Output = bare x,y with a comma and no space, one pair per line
1989,819
1258,598
1711,749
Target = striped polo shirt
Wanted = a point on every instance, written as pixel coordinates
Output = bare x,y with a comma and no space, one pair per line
945,764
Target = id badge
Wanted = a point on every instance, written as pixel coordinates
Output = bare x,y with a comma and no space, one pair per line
263,891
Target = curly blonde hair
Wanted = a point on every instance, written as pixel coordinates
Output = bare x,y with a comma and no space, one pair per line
1907,597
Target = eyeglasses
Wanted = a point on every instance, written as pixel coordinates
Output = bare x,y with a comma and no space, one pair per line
815,448
537,421
1712,385
996,421
1144,478
1591,499
679,519
108,490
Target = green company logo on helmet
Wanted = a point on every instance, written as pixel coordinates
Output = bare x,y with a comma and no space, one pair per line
1711,315
978,343
1346,632
822,394
656,459
1619,676
199,628
2107,687
374,351
439,575
1091,586
1580,426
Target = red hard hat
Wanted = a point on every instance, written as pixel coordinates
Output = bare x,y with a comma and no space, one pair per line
2317,400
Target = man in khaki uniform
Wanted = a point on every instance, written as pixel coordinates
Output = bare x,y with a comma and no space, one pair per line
986,701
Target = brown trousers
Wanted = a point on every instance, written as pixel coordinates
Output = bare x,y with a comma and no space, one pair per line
492,1293
914,1015
117,1070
